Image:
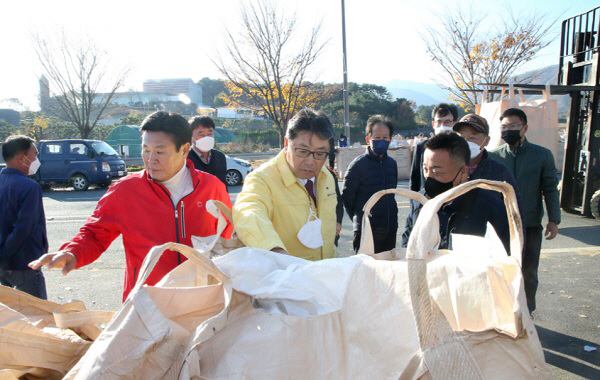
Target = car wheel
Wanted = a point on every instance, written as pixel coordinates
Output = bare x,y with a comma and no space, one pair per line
45,186
80,182
595,205
233,177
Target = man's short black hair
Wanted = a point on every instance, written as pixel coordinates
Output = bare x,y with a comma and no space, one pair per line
308,120
457,147
170,123
514,112
379,119
202,121
15,145
444,109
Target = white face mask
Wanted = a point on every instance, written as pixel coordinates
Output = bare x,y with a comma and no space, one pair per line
443,128
310,233
475,149
206,143
34,166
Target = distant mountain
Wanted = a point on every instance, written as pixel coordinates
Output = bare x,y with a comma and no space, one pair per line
429,93
423,94
548,74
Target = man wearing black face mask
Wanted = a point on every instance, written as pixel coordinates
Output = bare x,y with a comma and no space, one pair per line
533,167
366,175
445,163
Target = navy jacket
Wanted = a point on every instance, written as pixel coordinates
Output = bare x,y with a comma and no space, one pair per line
417,180
217,165
366,175
491,169
22,220
467,215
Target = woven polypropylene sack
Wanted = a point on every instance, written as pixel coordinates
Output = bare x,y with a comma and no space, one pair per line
43,339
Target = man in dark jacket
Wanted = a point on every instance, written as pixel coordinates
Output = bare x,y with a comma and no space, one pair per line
22,221
476,131
533,167
444,116
366,175
444,167
203,154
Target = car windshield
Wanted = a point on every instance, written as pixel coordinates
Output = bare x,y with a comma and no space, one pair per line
103,149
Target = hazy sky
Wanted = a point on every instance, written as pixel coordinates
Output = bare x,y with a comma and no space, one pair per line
176,38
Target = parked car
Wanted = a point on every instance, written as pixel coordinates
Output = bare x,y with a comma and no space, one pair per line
237,170
78,163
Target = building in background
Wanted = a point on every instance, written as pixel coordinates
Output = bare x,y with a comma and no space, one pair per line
175,87
126,140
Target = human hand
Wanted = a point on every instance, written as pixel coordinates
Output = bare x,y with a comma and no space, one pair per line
551,230
279,250
338,228
65,260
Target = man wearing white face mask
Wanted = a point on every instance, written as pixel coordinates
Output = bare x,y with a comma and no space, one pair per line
22,220
203,154
476,131
444,116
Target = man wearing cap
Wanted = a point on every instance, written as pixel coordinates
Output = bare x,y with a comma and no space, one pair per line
476,131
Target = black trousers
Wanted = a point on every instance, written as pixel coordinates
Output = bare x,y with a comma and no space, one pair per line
531,263
383,239
28,280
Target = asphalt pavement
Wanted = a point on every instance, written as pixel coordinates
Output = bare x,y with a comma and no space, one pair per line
567,318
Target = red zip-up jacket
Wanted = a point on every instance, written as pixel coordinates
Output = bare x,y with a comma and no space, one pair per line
141,210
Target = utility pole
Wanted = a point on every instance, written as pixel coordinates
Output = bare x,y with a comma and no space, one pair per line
346,106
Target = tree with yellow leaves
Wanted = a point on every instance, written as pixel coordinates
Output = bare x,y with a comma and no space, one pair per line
266,64
471,52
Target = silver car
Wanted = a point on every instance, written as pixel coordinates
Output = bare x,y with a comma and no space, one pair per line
237,170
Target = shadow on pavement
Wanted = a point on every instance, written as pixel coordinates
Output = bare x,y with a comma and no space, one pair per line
69,195
588,234
560,349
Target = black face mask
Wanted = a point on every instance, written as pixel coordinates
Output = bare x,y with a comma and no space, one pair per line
511,137
433,187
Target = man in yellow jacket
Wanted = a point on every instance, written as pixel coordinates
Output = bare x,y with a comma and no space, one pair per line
288,204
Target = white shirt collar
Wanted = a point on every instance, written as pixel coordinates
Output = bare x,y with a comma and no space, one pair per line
303,181
180,184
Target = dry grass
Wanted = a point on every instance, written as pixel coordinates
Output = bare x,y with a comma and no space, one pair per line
245,147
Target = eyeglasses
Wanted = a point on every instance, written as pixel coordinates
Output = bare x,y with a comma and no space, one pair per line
445,123
304,153
513,126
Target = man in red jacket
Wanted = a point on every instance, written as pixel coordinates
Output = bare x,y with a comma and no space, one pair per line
166,202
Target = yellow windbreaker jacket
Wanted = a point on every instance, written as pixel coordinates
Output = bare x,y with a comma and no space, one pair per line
273,206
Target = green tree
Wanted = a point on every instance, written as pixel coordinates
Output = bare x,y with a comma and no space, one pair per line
404,114
134,118
423,115
367,100
6,130
213,90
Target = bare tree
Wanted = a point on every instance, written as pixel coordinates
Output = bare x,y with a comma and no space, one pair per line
266,64
80,80
471,52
